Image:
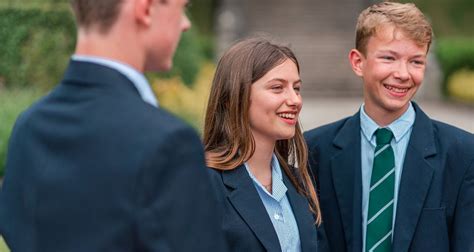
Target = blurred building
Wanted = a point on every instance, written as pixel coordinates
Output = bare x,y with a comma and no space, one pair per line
321,33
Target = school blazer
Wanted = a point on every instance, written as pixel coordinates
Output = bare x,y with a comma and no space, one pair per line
435,209
92,167
244,219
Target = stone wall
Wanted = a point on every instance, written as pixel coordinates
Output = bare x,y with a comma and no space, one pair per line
321,33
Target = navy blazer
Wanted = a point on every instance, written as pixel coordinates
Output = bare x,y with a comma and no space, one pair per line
92,167
435,209
245,221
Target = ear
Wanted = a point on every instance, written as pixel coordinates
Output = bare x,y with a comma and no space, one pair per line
143,11
356,59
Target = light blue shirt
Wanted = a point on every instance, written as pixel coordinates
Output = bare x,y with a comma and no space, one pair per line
401,129
279,209
137,78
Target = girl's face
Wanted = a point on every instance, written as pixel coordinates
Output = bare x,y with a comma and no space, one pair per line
275,103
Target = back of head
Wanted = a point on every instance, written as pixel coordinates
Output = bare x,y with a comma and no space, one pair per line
100,14
404,17
227,137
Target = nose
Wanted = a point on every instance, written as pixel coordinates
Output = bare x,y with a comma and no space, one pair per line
402,72
185,23
293,98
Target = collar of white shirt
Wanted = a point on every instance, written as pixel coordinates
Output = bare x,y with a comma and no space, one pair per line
137,78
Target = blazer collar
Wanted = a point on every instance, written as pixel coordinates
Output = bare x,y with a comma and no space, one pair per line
304,217
95,75
415,181
346,170
246,200
244,197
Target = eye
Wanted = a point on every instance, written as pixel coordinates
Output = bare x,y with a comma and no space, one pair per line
387,57
419,62
277,87
297,88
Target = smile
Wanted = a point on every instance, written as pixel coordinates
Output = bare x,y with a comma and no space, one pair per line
287,115
395,89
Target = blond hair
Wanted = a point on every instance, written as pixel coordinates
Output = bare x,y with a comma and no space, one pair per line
404,17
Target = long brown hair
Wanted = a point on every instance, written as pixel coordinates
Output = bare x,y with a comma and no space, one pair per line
228,140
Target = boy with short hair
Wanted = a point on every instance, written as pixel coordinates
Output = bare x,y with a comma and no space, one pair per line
97,165
390,178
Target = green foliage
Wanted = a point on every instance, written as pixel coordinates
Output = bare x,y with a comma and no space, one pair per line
187,60
3,246
13,103
449,18
455,54
202,15
35,46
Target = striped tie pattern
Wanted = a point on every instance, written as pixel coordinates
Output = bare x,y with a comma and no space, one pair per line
379,217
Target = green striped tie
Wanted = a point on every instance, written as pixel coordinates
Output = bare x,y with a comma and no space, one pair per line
379,217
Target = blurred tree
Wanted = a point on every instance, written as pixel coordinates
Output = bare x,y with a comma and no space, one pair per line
449,17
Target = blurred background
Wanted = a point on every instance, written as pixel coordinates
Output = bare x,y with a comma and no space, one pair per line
37,38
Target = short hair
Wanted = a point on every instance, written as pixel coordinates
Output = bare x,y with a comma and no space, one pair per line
100,13
405,17
228,139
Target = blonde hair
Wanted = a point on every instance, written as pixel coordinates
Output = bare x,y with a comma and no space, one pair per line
405,17
228,140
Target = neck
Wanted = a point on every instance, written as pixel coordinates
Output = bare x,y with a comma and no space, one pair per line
260,162
114,45
382,117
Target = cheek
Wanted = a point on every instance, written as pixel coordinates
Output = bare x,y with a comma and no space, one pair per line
418,76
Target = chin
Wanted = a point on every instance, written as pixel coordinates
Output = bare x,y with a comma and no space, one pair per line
159,66
286,136
395,106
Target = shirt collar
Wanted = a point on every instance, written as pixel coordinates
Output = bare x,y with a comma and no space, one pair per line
399,127
278,187
137,78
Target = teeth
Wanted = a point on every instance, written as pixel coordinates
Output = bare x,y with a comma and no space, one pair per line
397,90
287,115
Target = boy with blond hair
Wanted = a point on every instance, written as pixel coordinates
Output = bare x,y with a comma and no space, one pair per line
389,177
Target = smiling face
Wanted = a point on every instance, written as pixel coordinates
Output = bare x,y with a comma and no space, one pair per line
275,103
392,70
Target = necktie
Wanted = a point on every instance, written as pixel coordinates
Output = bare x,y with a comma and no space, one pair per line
379,217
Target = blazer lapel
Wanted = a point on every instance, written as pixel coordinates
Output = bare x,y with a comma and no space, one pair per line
304,217
346,169
248,204
415,180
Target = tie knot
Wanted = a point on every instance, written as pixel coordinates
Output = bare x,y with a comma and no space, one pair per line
383,136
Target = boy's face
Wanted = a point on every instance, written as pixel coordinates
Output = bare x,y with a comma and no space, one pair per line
392,69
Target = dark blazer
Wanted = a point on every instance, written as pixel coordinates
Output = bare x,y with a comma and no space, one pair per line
435,210
92,167
245,221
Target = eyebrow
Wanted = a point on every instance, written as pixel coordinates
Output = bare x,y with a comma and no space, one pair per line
395,53
286,81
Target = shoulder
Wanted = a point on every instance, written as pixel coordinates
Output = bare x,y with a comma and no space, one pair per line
325,133
453,139
214,174
217,183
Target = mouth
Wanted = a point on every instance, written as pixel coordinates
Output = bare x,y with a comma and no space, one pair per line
397,91
289,117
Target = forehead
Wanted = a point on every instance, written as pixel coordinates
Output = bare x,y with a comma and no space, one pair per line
390,37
